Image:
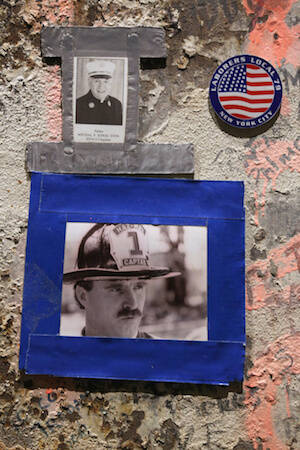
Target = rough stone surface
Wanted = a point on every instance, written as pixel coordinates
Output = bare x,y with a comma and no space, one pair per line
263,413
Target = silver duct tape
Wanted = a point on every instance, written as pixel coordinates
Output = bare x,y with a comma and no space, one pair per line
102,159
67,88
162,159
132,116
103,41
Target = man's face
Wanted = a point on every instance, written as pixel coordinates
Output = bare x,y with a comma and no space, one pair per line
100,86
114,307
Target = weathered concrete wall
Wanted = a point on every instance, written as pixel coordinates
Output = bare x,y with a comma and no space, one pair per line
51,413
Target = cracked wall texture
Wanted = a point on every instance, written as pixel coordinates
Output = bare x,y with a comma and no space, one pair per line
263,413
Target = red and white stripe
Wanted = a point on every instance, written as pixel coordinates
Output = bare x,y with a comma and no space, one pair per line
257,100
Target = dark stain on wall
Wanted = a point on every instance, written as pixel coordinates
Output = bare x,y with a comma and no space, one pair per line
169,435
256,253
128,432
243,445
14,30
281,218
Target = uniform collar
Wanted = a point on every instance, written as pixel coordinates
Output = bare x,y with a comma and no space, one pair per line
106,100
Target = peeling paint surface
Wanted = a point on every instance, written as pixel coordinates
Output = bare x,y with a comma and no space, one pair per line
53,104
276,367
271,34
267,159
63,414
268,281
48,12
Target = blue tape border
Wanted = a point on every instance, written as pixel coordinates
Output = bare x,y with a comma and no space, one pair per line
186,361
56,199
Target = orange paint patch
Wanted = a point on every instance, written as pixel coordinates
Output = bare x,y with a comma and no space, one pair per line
266,160
53,104
261,291
285,108
256,219
281,359
38,13
48,12
270,34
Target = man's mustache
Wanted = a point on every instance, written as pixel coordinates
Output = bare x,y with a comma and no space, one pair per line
124,312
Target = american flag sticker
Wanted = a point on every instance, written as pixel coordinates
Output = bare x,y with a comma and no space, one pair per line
245,91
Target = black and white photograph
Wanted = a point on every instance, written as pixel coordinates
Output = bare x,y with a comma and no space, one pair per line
135,281
100,99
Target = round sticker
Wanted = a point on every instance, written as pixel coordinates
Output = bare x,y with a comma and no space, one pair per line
245,91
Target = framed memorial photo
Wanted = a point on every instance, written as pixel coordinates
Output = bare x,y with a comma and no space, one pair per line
131,278
100,99
167,302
